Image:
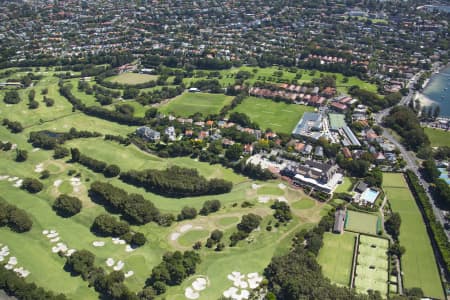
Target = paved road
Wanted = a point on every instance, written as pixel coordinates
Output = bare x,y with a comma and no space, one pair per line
409,158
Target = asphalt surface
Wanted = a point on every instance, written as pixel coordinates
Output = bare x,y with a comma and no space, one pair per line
409,157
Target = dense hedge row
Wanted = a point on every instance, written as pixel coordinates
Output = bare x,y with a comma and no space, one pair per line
176,182
95,165
15,218
16,286
133,207
49,140
438,233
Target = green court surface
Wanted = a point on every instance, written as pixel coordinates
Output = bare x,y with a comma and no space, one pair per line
188,104
372,265
132,78
336,256
361,222
278,116
418,263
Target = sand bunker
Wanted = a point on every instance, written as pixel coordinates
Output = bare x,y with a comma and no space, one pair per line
240,284
57,183
282,199
281,186
118,241
70,252
54,240
4,177
128,248
11,179
35,149
18,183
263,199
191,294
52,235
98,243
12,261
199,284
255,186
39,168
185,228
129,274
110,262
174,236
119,266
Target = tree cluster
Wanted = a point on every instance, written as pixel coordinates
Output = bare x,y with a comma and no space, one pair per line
133,207
15,218
187,213
248,223
67,206
174,268
13,126
17,287
176,182
405,122
282,211
11,97
32,185
210,206
49,140
95,165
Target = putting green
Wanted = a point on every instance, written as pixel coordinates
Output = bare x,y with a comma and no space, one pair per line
192,236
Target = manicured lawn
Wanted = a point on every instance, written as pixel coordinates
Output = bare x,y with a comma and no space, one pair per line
226,221
304,204
418,262
438,137
279,116
192,236
372,267
132,78
336,256
188,104
345,186
361,222
270,190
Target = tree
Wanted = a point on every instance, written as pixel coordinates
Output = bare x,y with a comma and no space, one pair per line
151,113
392,225
21,155
60,152
138,239
396,249
282,211
437,112
75,154
216,235
109,226
45,174
67,206
32,185
19,220
81,262
234,152
187,213
111,171
210,206
11,97
249,222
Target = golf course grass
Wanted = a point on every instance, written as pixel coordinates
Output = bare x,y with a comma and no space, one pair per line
132,78
33,249
278,116
188,104
336,256
438,137
418,263
304,204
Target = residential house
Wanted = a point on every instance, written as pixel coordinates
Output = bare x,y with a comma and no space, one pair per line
148,134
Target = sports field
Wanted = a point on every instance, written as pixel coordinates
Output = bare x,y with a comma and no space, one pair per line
336,256
372,267
188,104
438,137
361,222
278,116
132,78
418,262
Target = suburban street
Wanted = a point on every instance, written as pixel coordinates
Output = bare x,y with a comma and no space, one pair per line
409,157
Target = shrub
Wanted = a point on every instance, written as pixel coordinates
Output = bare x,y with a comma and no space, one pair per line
111,171
32,185
21,155
67,206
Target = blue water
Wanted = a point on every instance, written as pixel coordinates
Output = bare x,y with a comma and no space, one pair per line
369,195
444,175
438,91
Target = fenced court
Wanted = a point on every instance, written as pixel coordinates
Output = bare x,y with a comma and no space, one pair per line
362,222
372,265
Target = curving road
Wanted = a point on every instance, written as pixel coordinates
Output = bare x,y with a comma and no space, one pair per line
409,157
